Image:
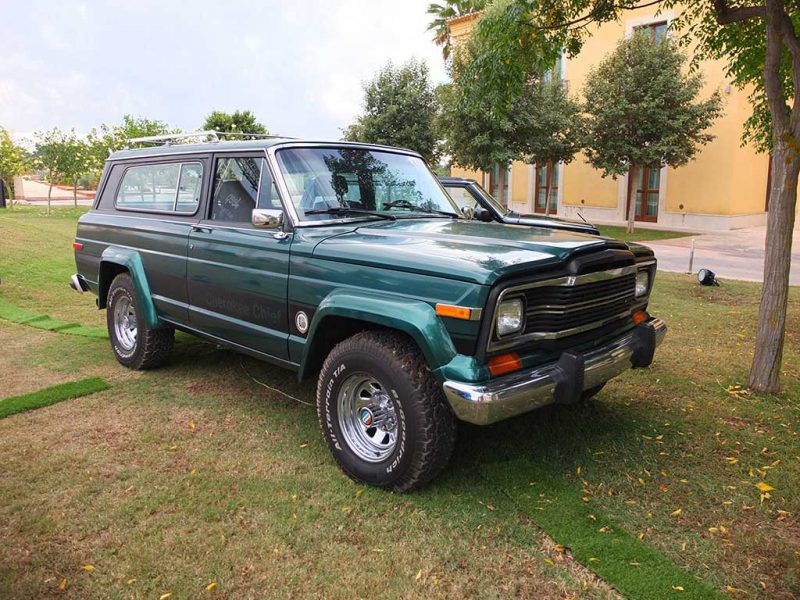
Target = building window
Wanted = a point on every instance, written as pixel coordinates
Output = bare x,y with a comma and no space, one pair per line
546,187
643,187
498,183
556,72
657,31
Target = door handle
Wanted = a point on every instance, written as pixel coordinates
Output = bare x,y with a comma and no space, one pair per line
200,229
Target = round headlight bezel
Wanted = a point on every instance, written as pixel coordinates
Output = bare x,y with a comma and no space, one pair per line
642,287
515,314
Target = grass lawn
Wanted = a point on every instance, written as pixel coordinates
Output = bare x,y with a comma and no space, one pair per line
640,234
193,474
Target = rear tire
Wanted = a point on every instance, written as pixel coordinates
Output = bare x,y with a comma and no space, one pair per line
135,345
382,413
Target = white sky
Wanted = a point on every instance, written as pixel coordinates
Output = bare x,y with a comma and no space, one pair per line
297,65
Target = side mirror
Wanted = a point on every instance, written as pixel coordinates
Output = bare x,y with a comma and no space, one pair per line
483,215
468,212
267,218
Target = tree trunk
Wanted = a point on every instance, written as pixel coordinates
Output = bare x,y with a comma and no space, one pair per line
75,191
49,192
546,201
766,368
631,195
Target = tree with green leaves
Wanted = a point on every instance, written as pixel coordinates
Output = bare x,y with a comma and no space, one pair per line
110,138
445,11
239,121
53,153
77,161
644,110
399,110
543,125
552,127
760,46
473,139
13,162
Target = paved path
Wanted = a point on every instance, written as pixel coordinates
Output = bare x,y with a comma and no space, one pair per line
36,193
735,254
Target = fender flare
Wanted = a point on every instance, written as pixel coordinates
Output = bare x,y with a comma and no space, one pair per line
415,318
131,261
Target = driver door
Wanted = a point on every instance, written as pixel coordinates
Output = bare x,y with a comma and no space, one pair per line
238,274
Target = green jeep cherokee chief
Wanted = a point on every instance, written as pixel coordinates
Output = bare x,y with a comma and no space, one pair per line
349,262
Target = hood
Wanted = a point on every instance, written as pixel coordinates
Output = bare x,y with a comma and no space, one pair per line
555,222
458,249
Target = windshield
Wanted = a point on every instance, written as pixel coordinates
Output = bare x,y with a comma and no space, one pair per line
331,183
490,199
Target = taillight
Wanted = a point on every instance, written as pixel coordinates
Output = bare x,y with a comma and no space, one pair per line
77,246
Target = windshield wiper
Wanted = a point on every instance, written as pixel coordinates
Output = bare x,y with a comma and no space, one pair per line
412,206
344,210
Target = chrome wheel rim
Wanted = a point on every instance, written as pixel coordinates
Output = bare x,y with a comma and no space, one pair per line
367,418
125,326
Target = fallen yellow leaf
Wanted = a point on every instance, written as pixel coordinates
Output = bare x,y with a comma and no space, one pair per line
677,588
87,568
211,586
418,576
63,584
192,425
548,561
764,487
360,493
675,513
165,596
131,581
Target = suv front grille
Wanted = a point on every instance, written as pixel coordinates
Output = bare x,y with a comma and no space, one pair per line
570,305
552,312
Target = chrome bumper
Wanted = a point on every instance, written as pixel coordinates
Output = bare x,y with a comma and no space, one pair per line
524,391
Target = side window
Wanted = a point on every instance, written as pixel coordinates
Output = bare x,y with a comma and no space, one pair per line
173,187
236,185
462,197
189,188
268,193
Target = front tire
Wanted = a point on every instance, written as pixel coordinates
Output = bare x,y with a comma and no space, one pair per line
382,413
135,345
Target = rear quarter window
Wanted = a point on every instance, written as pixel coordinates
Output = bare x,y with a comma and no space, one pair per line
164,187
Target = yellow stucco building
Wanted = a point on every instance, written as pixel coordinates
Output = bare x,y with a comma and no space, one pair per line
724,187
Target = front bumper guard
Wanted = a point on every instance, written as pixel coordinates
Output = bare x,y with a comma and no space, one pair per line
561,381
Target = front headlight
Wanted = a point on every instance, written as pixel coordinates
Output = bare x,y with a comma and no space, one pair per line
509,317
642,283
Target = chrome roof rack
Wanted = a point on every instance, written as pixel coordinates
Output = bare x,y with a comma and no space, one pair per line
210,136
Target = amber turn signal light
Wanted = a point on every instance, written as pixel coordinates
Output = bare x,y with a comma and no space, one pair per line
455,312
639,317
504,363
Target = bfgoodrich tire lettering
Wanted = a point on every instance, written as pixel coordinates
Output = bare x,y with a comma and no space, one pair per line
424,424
135,345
